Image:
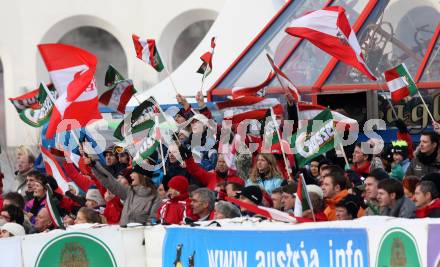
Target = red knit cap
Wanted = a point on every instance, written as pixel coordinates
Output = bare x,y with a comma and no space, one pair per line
179,183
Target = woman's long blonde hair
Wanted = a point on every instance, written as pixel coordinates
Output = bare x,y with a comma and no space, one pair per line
273,167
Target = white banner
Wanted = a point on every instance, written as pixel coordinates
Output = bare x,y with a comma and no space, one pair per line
88,247
10,252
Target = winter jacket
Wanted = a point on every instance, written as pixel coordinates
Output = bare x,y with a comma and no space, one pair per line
207,179
174,169
330,210
267,184
421,164
113,210
404,208
173,211
84,179
432,210
140,203
34,206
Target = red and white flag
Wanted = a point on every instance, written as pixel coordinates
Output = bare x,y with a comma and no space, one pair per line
71,70
249,107
259,90
118,97
329,29
309,111
54,169
269,213
287,84
146,50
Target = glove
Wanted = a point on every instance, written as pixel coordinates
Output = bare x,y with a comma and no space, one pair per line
184,152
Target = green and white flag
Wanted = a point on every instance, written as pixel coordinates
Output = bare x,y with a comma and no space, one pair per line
140,120
145,150
315,139
112,76
52,207
40,116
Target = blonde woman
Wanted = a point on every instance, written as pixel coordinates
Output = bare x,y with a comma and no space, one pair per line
265,173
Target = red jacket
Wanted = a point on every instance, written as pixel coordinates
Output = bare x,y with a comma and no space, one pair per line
173,211
426,211
113,210
208,179
83,181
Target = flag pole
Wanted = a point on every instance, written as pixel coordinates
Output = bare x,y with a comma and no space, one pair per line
171,80
303,181
286,163
426,106
388,100
159,136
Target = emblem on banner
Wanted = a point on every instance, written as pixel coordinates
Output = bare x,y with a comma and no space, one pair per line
75,250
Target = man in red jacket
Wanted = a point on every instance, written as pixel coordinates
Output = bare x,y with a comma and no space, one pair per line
427,201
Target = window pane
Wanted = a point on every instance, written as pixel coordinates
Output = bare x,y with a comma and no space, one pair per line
402,34
432,69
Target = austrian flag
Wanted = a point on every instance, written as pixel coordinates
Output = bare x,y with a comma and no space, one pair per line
71,70
329,29
400,83
146,50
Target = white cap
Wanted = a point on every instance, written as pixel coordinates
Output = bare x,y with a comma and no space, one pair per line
312,188
14,228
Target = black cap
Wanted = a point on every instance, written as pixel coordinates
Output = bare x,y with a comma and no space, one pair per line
351,203
140,170
253,193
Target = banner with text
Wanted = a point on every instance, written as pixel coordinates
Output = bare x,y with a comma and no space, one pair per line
237,248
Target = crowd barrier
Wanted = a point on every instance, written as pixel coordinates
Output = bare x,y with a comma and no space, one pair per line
369,241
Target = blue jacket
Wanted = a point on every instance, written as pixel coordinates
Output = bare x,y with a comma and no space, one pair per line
267,184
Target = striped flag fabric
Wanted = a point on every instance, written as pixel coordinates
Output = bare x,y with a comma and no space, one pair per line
206,68
118,96
400,83
249,107
39,114
269,213
287,84
71,70
146,50
54,169
329,29
51,205
302,201
258,90
112,76
27,100
309,111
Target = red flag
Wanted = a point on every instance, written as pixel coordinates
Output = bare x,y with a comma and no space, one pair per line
249,107
286,82
71,69
269,213
329,29
258,90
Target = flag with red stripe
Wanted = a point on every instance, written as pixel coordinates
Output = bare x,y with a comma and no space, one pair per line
258,90
206,67
146,50
25,101
309,111
118,96
54,169
51,205
400,83
329,29
71,70
269,213
249,107
302,201
286,83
